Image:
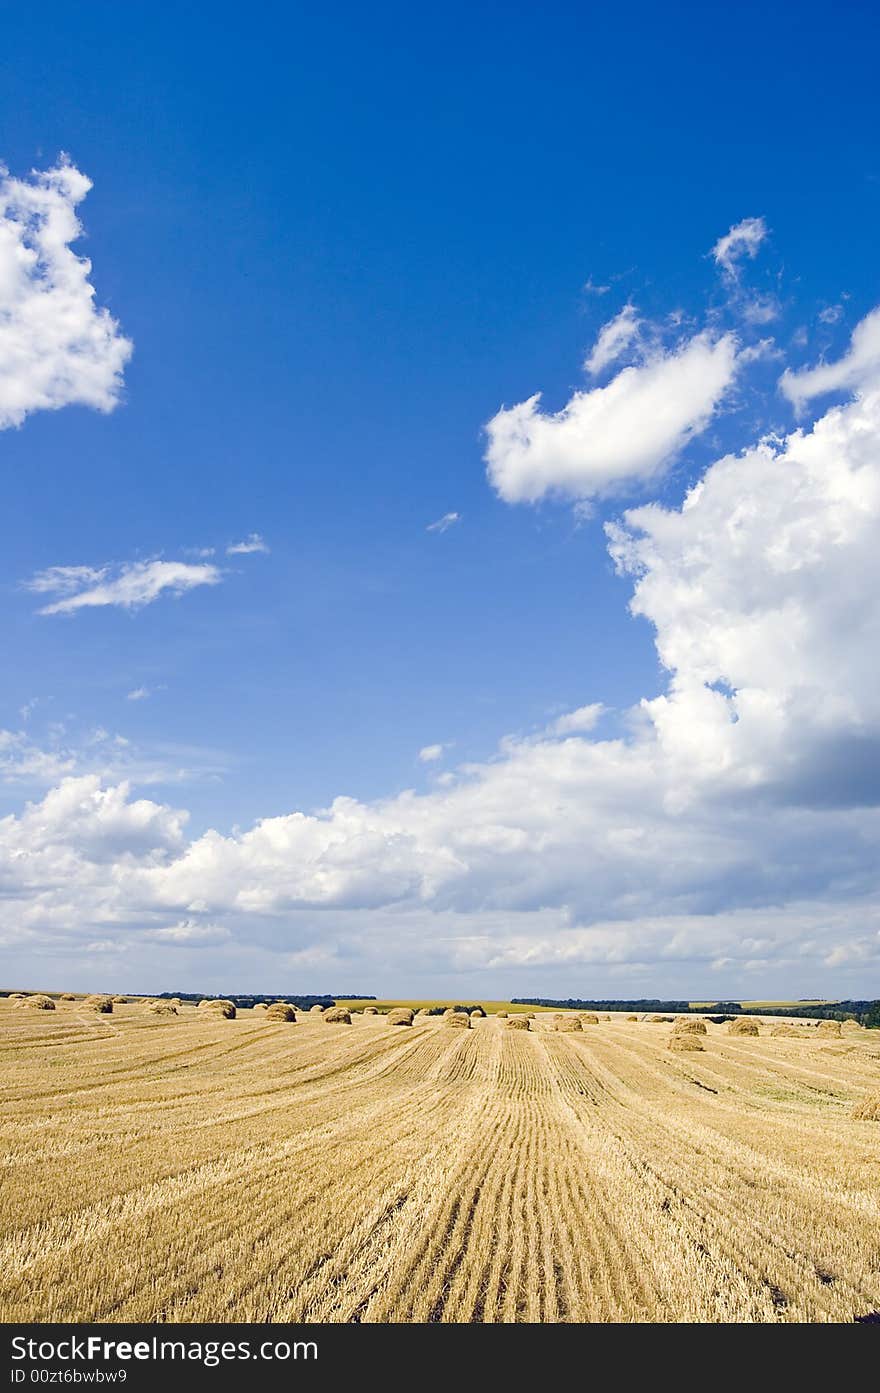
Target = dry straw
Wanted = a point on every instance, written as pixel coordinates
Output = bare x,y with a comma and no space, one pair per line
161,1008
829,1028
371,1010
868,1110
588,1018
569,1023
260,1006
460,1020
680,1042
67,996
741,1026
519,1023
686,1025
501,1015
120,1000
792,1032
38,1002
632,1018
316,1010
477,1011
280,1011
401,1016
224,1009
102,1004
337,1015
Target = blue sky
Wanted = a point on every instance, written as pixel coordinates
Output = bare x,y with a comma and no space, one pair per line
340,244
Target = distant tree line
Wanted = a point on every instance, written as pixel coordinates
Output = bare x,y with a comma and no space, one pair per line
867,1013
244,1000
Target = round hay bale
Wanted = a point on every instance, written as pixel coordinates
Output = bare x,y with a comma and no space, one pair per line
588,1018
16,996
606,1018
280,1011
868,1110
260,1006
829,1028
519,1022
316,1010
402,1015
67,996
569,1023
687,1025
791,1032
632,1018
450,1011
373,1011
530,1015
743,1026
161,1008
102,1004
337,1015
477,1012
224,1009
38,1002
119,1000
459,1020
852,1025
501,1015
660,1020
679,1043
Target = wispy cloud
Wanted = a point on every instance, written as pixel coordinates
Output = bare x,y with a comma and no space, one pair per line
129,586
858,366
591,288
614,338
251,544
138,694
443,524
742,241
429,754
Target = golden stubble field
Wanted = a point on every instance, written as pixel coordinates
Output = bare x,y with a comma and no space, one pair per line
192,1169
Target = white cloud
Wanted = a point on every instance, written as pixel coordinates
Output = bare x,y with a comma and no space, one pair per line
853,371
138,694
613,436
614,338
743,240
57,347
578,722
442,524
130,586
428,754
251,544
189,933
592,289
831,314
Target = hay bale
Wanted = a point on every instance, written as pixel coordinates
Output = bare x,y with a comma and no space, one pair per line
402,1015
569,1023
588,1018
606,1018
829,1028
868,1110
260,1006
119,1000
519,1022
477,1012
460,1020
38,1002
102,1004
501,1015
373,1011
530,1016
743,1026
161,1008
337,1015
791,1032
67,996
16,996
316,1010
632,1018
225,1010
852,1025
687,1025
679,1043
280,1011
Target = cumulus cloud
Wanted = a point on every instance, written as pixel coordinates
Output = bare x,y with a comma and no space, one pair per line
250,545
613,436
742,242
129,586
443,524
57,347
614,338
858,367
577,722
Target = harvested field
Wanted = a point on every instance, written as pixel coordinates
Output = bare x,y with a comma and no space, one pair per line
197,1168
